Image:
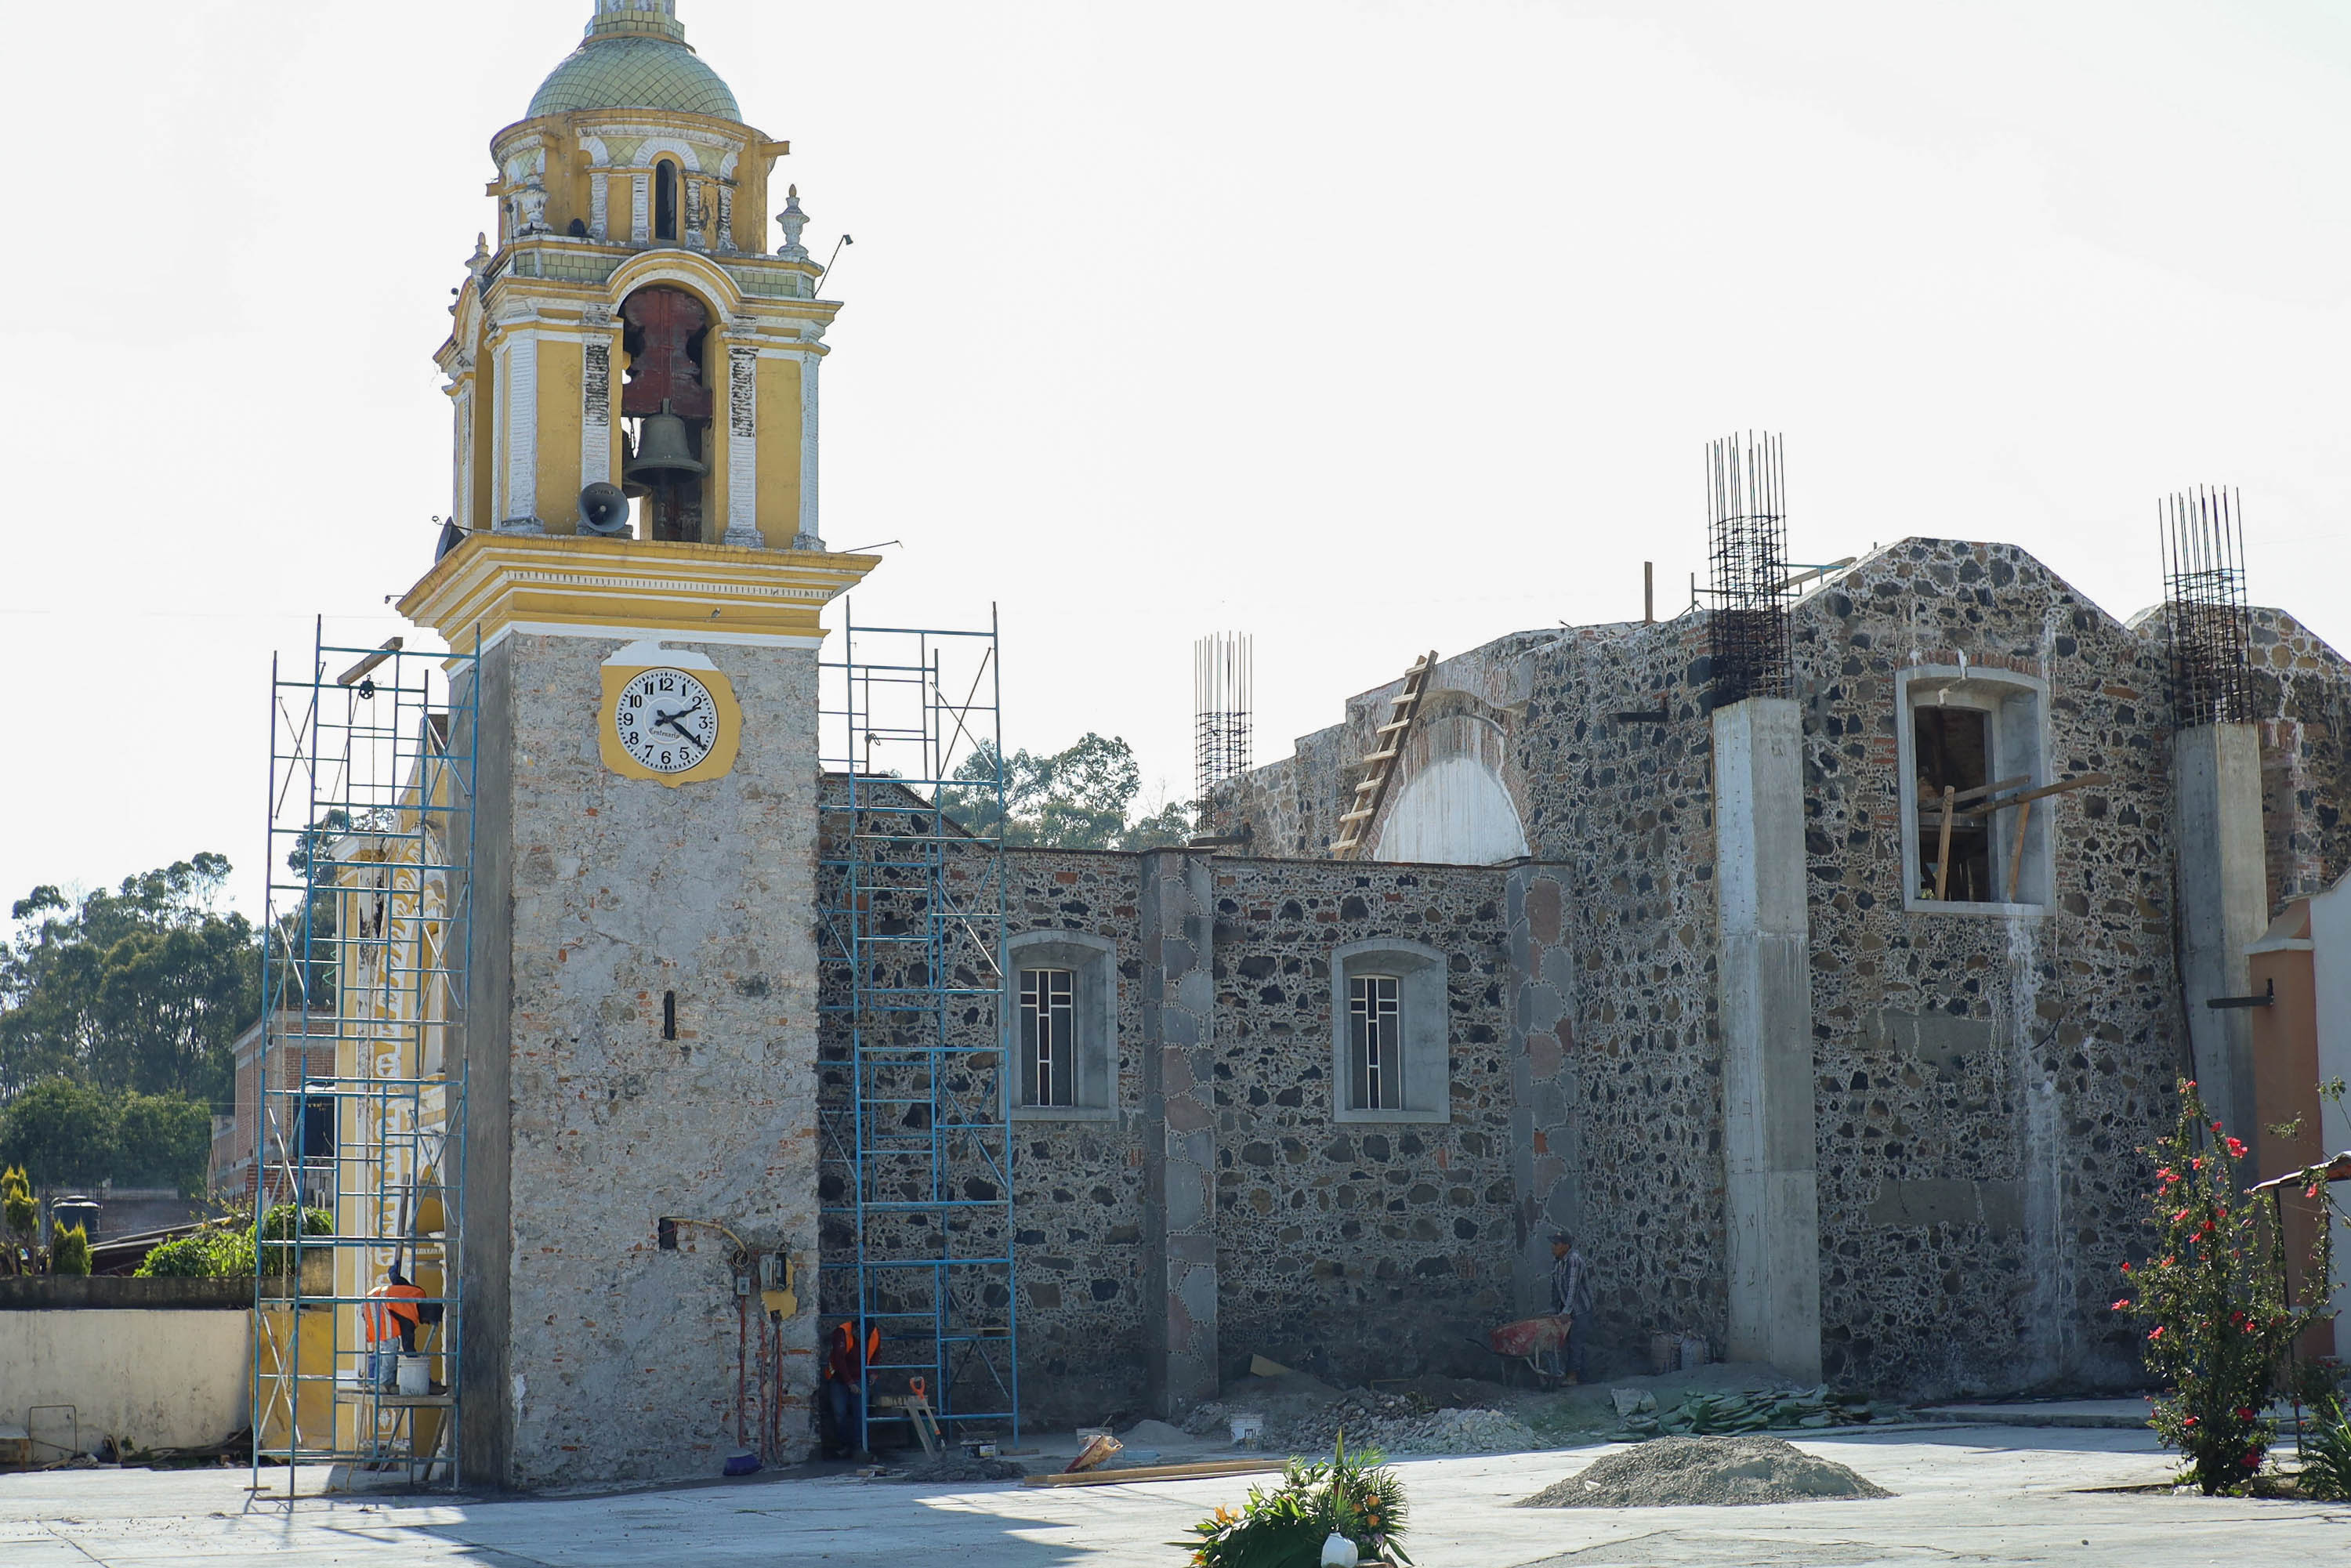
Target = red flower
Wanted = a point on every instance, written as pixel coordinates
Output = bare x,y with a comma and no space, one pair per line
2166,1175
2176,1220
2122,1305
2196,1163
2126,1268
2236,1149
2310,1191
2252,1460
2216,1126
2189,1422
2155,1332
2245,1414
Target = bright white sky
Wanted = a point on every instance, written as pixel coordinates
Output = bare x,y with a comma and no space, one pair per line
1367,326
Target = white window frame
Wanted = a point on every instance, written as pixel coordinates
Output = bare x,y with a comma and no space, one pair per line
2017,710
1092,963
1048,1036
1425,1027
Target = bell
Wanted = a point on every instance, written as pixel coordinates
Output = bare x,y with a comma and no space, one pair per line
665,450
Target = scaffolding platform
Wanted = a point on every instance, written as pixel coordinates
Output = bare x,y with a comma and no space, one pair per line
916,1157
366,937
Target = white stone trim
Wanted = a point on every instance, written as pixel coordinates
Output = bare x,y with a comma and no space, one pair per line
600,206
498,357
742,446
641,207
638,633
595,409
521,350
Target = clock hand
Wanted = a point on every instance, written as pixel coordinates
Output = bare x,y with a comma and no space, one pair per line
670,720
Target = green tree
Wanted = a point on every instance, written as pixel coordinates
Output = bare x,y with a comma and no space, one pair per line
22,1215
65,1131
2214,1295
1072,800
69,1252
143,988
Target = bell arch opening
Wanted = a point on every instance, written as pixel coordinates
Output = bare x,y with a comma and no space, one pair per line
667,408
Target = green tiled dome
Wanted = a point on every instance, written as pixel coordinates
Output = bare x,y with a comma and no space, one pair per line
634,72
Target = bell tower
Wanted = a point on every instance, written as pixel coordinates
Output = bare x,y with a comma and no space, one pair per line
631,270
635,550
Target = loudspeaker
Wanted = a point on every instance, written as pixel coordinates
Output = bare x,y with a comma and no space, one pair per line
603,510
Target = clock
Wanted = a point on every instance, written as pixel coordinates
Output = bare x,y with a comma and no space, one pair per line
666,720
669,716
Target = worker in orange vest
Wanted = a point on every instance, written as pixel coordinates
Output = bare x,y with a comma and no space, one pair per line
844,1374
391,1313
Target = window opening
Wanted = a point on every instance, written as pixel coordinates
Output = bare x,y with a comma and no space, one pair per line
1375,1021
1048,1054
1952,749
665,201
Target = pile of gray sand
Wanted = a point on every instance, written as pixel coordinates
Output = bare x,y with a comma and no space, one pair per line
1715,1472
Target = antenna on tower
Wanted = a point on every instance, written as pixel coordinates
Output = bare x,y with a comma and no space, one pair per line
1223,677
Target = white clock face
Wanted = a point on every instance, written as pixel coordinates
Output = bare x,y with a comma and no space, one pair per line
666,720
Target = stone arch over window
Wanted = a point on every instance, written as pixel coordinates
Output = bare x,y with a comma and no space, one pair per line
669,200
1033,961
1969,728
1368,977
1454,805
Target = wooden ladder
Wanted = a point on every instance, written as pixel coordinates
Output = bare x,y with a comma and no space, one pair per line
1387,743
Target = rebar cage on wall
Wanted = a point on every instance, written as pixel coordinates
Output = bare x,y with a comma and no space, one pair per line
2204,603
1747,549
360,1093
916,1156
1222,678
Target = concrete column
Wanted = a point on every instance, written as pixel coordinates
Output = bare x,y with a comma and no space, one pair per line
1545,1162
1770,1196
1180,1135
2224,903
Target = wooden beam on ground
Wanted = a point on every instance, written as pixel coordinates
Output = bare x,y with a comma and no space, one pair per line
1158,1473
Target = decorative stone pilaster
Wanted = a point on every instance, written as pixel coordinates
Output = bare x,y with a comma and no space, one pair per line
810,535
517,391
596,396
1180,1135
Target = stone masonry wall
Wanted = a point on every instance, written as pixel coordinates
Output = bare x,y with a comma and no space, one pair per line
622,1358
1984,1081
1359,1250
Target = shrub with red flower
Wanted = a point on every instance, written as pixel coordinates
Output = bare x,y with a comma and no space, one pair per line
2214,1296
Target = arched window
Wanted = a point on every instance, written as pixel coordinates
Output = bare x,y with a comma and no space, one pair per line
666,200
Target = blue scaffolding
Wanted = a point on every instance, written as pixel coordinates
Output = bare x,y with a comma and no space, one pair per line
915,1177
360,1097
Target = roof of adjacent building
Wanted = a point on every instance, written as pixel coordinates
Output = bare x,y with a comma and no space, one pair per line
633,59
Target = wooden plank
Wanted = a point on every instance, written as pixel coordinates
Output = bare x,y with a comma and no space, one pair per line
2016,855
1928,819
1943,856
1158,1473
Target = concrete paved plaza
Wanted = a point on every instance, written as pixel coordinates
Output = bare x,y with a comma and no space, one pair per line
1980,1495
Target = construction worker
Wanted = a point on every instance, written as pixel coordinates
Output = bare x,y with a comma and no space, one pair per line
391,1313
844,1374
1571,1289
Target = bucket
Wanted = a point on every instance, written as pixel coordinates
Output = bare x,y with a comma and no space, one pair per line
1249,1431
416,1376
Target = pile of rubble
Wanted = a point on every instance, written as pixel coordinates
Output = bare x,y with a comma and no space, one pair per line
1730,1414
1394,1422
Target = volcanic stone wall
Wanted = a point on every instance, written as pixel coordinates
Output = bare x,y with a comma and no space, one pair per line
1615,751
1356,1249
1984,1080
